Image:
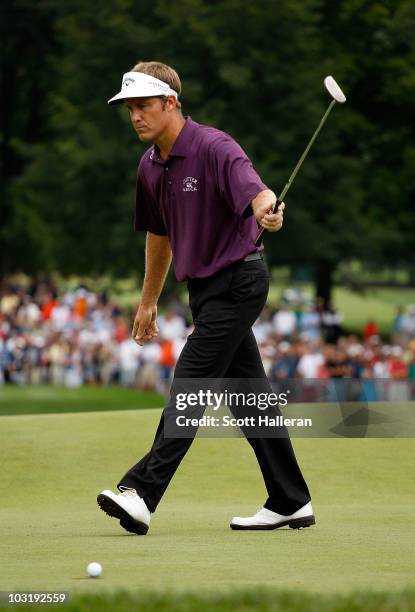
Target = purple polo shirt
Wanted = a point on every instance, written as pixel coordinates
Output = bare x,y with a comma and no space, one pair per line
198,197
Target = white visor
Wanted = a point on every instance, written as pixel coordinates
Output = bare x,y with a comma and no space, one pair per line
140,85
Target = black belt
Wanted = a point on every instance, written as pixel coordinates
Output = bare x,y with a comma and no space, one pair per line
253,256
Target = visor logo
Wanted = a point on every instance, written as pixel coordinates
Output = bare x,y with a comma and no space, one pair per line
155,85
189,184
126,82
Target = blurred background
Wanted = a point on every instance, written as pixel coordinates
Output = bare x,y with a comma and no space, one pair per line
342,299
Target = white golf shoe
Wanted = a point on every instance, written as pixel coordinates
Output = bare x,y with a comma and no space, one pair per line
128,507
266,519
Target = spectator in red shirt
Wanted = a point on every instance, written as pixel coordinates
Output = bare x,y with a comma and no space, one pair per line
47,307
370,329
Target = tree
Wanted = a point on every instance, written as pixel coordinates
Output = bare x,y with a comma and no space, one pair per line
372,48
28,42
252,69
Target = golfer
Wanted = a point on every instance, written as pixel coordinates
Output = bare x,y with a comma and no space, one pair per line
201,203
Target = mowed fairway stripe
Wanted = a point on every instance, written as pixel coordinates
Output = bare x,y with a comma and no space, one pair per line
50,526
43,399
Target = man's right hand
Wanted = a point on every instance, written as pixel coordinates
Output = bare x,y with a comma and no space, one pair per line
145,324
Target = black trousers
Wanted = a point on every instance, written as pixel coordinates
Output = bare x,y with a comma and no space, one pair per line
224,307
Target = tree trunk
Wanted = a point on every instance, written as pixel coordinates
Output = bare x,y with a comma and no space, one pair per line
324,281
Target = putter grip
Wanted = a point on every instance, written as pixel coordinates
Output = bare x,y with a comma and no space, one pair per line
258,239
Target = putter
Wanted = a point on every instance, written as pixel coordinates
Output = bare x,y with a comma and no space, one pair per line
338,96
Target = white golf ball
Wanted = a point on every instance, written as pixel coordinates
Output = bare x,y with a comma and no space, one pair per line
94,569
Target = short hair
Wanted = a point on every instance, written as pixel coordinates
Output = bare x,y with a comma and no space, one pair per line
163,72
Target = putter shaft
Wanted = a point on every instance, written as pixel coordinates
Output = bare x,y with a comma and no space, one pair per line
298,166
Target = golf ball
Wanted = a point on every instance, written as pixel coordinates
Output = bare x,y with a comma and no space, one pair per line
94,569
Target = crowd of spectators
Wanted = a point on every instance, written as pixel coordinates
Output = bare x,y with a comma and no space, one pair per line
80,337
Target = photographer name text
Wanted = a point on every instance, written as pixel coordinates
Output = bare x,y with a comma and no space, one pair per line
248,421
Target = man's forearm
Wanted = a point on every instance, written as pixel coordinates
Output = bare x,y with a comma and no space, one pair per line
158,260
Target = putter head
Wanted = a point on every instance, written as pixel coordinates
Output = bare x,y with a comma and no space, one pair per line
334,90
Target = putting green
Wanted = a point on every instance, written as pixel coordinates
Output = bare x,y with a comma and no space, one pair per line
53,465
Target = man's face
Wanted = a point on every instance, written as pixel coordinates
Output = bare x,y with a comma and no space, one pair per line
149,117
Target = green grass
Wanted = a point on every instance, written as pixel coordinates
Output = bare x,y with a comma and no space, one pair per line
378,304
50,527
46,399
266,600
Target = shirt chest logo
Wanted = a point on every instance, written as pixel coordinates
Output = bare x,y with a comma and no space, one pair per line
189,184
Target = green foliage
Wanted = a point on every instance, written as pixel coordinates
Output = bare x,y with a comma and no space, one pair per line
252,69
373,44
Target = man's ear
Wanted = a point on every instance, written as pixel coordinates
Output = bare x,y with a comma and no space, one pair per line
171,102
